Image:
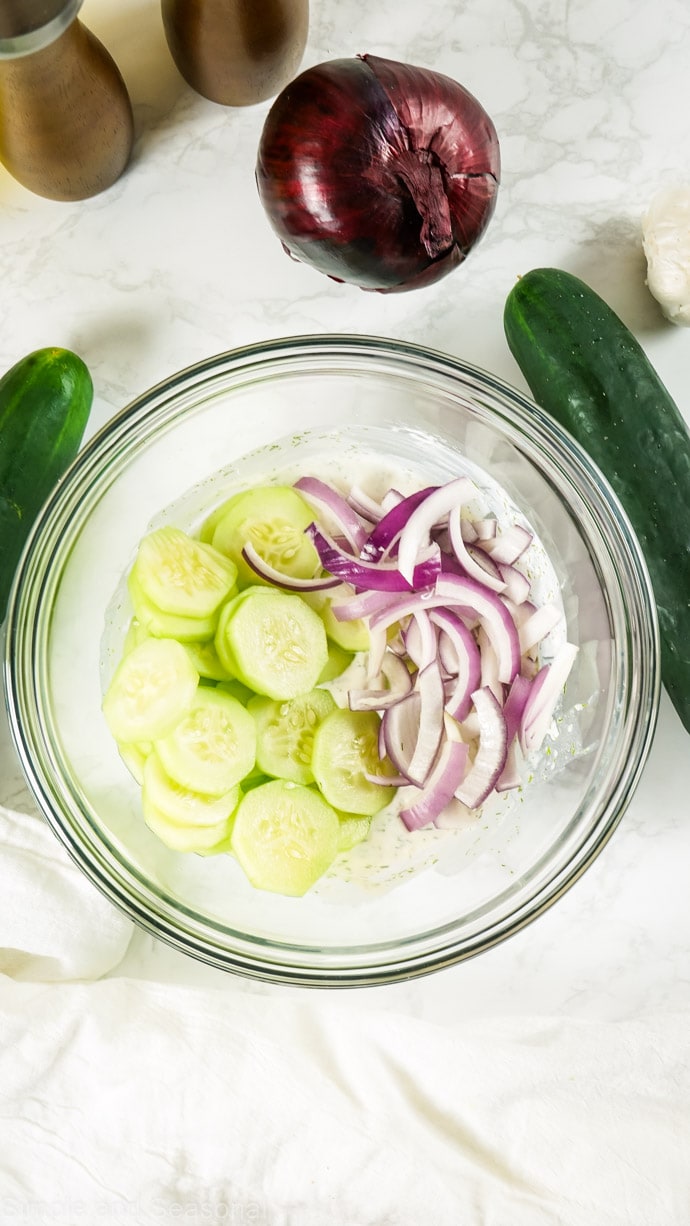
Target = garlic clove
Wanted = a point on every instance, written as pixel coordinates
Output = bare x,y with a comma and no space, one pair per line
666,245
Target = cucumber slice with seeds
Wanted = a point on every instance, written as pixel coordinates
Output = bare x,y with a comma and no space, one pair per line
184,806
182,576
168,625
345,751
285,836
285,733
272,642
212,747
201,839
273,518
152,689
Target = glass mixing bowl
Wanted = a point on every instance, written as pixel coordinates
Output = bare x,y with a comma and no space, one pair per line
402,904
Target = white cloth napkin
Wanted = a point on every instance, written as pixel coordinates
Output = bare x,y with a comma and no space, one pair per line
54,925
130,1101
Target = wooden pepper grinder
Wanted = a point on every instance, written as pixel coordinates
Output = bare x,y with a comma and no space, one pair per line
236,52
66,127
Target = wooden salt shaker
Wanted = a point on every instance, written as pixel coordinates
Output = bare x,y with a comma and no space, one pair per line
236,52
66,127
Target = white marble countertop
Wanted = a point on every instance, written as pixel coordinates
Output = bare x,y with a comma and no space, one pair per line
177,262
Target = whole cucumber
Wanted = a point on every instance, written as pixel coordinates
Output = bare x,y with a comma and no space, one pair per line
45,401
586,369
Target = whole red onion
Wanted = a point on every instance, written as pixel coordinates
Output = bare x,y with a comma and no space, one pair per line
378,173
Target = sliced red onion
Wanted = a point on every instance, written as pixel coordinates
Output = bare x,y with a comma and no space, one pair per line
400,730
339,509
486,529
378,173
440,787
390,499
538,625
475,562
514,705
546,689
468,530
510,776
378,642
509,544
363,604
364,506
416,534
467,594
396,673
517,585
266,571
376,576
429,686
491,755
388,529
467,662
489,666
421,640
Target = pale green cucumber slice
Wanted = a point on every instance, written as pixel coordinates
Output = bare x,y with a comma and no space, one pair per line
272,642
205,659
134,757
345,750
212,747
184,806
351,636
353,830
201,839
273,518
212,520
181,576
285,733
338,660
168,625
152,689
235,689
285,836
136,633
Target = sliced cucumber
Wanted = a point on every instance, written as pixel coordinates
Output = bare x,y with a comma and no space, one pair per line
184,806
212,747
273,518
285,733
168,625
205,659
212,520
151,690
351,636
181,576
353,830
134,757
285,836
272,642
338,660
136,633
202,839
345,751
236,689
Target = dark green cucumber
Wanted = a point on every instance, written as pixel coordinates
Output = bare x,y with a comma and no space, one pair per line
586,369
45,401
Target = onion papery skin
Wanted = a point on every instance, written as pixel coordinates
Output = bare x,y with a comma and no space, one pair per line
378,173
